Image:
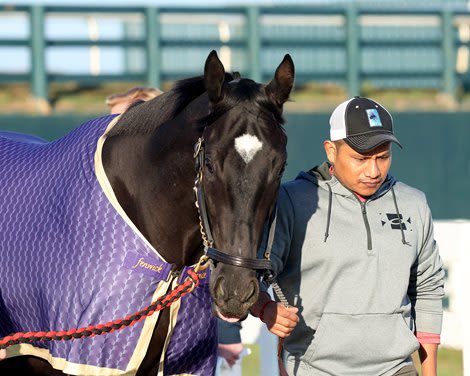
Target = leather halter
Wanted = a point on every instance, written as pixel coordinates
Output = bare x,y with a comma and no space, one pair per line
204,223
262,265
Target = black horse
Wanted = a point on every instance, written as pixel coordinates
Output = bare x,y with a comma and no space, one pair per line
220,136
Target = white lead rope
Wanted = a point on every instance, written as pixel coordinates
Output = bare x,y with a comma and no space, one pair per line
267,255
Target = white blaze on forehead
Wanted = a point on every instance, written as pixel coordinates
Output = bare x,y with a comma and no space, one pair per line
247,146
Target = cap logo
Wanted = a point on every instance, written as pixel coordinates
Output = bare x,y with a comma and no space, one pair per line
374,118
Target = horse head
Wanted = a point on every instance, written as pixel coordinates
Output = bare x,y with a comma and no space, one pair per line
244,154
232,126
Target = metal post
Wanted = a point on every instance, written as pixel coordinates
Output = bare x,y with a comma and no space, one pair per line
352,48
449,52
254,43
152,29
133,61
38,59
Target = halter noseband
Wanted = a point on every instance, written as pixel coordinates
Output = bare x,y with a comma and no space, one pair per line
204,224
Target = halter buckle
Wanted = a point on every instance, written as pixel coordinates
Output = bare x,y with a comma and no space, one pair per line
202,264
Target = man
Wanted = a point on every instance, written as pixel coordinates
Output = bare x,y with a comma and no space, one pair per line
354,251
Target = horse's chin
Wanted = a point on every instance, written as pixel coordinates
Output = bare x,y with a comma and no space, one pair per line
227,318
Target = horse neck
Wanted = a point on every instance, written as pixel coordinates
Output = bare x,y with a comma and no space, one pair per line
154,185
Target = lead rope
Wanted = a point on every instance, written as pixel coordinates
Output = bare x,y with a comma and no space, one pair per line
165,301
277,290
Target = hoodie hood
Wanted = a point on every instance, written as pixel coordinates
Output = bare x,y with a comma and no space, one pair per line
320,176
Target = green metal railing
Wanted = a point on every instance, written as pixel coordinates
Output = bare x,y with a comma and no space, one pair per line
254,43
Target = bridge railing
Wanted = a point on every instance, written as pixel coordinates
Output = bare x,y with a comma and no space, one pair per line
352,46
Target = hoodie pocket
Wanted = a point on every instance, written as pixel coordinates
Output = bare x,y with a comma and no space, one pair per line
367,343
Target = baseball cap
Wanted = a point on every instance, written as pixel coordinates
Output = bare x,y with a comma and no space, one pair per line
362,123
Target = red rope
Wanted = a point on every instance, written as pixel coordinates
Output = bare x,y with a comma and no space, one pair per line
93,330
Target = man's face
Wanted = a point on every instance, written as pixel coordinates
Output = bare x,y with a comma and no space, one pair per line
361,173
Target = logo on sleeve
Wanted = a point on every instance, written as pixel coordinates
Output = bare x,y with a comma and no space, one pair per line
395,221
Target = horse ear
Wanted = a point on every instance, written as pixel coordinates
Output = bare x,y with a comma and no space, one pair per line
214,76
281,85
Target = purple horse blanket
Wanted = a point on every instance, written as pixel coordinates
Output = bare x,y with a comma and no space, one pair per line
70,257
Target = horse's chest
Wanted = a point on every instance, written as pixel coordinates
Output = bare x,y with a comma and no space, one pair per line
193,345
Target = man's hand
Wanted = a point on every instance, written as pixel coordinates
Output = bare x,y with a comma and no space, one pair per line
280,320
3,354
230,352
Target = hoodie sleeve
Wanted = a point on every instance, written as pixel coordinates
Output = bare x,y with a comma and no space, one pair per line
229,332
426,287
283,232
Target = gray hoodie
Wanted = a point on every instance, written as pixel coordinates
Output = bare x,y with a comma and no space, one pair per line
363,282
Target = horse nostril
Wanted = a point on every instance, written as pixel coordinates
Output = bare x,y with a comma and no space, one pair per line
219,288
252,291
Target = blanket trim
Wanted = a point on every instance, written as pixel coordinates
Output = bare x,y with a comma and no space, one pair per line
108,189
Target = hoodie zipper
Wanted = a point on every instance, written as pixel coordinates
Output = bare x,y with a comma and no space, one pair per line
366,223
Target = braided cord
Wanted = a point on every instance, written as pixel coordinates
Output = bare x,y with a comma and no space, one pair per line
93,330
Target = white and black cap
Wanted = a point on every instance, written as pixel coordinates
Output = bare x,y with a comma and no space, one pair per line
362,123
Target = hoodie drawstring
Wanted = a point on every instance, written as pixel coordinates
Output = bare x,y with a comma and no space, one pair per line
330,200
403,240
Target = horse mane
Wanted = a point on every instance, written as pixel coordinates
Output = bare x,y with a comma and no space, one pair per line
143,117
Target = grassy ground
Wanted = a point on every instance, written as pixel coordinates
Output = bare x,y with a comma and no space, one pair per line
71,98
450,362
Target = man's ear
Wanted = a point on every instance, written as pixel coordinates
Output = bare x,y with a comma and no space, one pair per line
330,150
